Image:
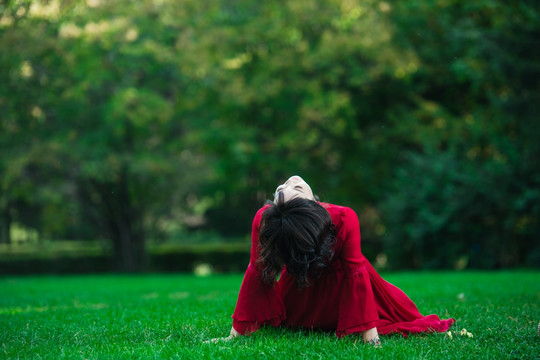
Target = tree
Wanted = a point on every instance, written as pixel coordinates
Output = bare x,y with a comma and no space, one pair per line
295,87
137,114
104,83
466,190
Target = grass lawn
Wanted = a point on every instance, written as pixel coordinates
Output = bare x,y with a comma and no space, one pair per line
169,317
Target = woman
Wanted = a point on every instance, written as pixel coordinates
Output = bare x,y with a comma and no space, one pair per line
324,280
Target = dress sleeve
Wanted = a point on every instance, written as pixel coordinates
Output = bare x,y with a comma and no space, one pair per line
357,307
258,303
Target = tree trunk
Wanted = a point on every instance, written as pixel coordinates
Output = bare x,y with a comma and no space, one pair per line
5,224
123,222
130,241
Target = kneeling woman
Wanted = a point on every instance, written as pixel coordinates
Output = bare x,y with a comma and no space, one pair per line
325,282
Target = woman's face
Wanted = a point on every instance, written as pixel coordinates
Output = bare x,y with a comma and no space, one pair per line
294,187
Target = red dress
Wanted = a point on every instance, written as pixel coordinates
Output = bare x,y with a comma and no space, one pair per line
349,297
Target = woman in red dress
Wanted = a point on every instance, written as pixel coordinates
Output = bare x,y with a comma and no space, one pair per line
325,282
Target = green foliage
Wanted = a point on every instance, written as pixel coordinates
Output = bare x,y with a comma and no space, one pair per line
458,213
102,105
466,191
128,120
169,316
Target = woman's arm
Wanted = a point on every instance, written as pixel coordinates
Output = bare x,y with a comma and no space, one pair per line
258,303
353,261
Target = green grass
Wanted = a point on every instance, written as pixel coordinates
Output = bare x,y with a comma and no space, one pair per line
170,316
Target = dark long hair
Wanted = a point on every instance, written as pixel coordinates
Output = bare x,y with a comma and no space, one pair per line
298,234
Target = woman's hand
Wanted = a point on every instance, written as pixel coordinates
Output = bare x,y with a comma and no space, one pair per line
231,336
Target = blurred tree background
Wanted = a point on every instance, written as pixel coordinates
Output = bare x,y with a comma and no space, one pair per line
138,122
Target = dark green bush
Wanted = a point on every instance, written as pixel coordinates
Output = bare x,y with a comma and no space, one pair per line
446,211
222,258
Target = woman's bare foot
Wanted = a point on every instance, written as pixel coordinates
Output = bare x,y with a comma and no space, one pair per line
371,337
231,336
